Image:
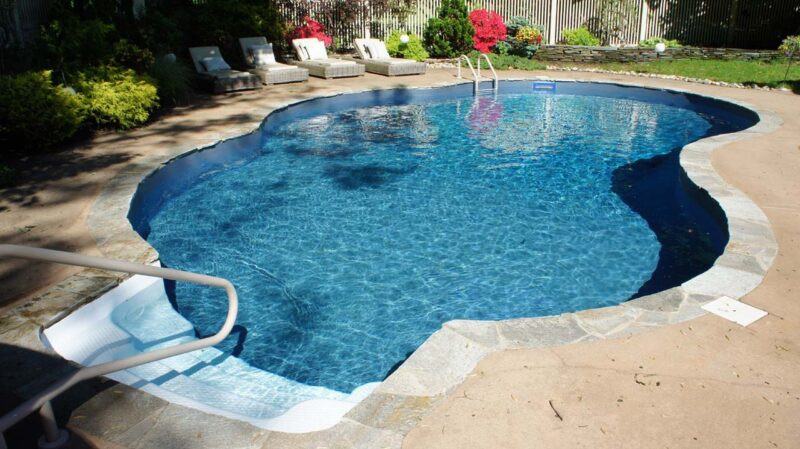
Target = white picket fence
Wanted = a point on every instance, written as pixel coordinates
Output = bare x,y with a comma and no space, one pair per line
718,23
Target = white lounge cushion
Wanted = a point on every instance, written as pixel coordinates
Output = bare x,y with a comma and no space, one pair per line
262,54
316,50
276,67
377,49
214,63
329,63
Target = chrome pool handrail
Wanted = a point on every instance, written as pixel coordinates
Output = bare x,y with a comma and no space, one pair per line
476,76
41,401
495,79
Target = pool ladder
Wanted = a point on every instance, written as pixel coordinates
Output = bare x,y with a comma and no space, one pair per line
53,436
476,76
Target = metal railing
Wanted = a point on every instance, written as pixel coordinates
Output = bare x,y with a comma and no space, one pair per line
53,436
495,80
476,76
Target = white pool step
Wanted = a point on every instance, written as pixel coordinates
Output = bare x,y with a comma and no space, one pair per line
139,318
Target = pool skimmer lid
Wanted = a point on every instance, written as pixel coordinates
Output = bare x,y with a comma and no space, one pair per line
735,311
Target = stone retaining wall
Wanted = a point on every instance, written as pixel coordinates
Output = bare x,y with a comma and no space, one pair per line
582,54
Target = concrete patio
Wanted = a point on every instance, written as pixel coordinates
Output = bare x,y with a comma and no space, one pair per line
701,383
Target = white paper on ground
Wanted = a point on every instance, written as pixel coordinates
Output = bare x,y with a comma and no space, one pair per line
735,311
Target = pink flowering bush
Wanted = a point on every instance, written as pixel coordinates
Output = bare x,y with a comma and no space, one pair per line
311,29
489,28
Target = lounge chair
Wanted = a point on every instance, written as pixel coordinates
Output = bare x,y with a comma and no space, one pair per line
373,54
217,76
311,55
259,56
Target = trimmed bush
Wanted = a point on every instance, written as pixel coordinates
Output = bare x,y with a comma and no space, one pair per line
579,36
117,98
450,33
37,114
412,50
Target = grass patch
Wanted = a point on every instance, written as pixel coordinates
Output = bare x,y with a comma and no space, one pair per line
743,72
508,62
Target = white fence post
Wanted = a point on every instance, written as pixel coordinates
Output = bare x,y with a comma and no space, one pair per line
553,16
643,21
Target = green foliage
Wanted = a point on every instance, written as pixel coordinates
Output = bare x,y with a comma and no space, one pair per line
651,42
412,50
526,41
223,22
450,33
579,36
515,23
117,98
127,54
730,71
508,62
613,16
791,47
37,114
68,43
8,176
174,81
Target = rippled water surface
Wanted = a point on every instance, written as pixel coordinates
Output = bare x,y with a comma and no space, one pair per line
356,234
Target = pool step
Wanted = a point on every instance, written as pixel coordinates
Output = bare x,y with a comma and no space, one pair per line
207,379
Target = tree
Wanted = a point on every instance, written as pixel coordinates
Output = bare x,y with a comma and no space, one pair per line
449,34
791,47
613,17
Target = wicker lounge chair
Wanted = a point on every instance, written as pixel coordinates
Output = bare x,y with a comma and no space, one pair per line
271,72
381,63
320,65
220,78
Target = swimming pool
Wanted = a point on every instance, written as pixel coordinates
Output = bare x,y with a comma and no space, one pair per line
354,226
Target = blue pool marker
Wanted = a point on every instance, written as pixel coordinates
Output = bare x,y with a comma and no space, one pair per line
549,86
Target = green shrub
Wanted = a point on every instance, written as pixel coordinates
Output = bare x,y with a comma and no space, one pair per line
223,22
579,36
450,33
524,38
791,48
651,42
507,62
68,43
127,54
174,81
412,50
117,98
8,176
35,113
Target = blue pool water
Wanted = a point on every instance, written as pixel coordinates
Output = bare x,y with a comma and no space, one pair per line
353,234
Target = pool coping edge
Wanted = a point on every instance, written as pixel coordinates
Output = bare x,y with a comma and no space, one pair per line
450,354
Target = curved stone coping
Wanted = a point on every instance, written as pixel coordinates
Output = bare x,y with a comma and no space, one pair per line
450,354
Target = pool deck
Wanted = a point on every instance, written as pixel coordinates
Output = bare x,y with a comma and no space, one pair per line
699,383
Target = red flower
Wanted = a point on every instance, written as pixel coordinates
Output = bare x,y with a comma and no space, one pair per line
489,28
311,29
